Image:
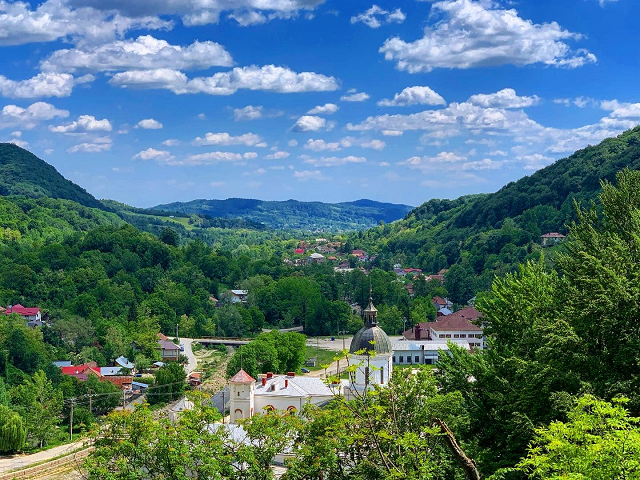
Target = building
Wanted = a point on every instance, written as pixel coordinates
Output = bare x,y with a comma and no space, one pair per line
441,303
425,352
360,254
168,350
84,371
372,352
552,238
31,315
239,296
195,379
457,326
315,258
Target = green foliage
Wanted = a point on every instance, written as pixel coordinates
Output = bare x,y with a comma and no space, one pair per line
599,440
12,431
170,384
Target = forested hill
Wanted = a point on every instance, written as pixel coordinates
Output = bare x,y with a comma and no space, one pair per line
292,214
491,233
22,173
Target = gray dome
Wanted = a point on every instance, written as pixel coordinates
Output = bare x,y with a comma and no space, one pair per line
362,340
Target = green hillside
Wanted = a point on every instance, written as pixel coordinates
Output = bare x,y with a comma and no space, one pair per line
292,214
489,234
22,173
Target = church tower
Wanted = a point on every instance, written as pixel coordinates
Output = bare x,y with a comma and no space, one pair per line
372,351
241,391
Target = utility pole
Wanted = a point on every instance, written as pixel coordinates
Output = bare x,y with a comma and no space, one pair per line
124,404
90,400
177,332
73,400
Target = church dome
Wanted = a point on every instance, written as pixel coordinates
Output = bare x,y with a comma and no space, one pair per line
371,332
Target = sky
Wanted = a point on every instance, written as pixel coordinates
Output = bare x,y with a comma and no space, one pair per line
149,102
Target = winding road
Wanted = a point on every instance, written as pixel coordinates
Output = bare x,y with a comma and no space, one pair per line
188,352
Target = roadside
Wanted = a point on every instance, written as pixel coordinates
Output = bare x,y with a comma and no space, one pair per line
188,352
8,463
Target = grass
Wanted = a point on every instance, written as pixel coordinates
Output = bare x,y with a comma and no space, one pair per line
322,355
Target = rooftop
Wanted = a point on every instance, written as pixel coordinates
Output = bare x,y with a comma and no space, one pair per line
295,387
242,377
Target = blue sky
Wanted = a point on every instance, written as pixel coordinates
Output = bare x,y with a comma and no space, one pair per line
151,102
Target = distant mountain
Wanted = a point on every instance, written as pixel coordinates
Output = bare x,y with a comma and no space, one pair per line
491,233
293,214
22,173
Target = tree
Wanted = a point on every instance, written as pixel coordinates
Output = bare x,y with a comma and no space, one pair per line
170,237
12,431
599,440
40,406
169,385
460,283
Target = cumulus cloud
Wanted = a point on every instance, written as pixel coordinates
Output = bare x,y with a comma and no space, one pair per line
20,23
142,53
267,78
375,16
42,85
621,109
392,133
481,34
171,142
312,123
153,154
211,158
486,164
413,96
426,162
334,161
353,96
97,145
277,155
326,109
305,175
85,123
225,139
13,115
149,124
505,98
320,145
247,113
292,143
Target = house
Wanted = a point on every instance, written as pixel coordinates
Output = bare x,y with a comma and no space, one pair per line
443,312
162,336
361,254
283,393
139,387
343,267
195,379
82,373
239,296
31,315
110,371
457,326
299,251
438,277
552,238
125,363
425,352
315,258
441,303
62,363
411,271
168,350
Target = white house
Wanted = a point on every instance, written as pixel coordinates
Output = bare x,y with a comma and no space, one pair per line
285,393
457,326
239,296
423,352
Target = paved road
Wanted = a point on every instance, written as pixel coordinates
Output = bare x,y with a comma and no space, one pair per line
188,352
23,461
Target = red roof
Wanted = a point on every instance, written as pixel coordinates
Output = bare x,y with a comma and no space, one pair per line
162,336
241,377
358,252
118,381
24,311
438,300
299,251
460,320
443,271
553,235
409,270
82,370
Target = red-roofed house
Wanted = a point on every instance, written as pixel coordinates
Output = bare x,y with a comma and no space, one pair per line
194,379
299,251
458,325
361,254
31,315
168,350
82,373
552,238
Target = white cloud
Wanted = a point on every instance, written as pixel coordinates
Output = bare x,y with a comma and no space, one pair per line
277,155
48,151
481,34
621,110
305,175
149,124
334,161
171,142
427,163
505,98
192,13
292,143
249,155
326,109
212,158
535,161
486,164
247,113
320,145
311,123
376,16
143,53
201,116
16,134
225,139
13,115
498,153
161,156
355,97
392,133
217,184
413,96
267,78
42,85
97,145
85,123
604,2
18,142
56,19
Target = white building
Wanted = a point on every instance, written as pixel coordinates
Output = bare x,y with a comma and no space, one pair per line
460,325
285,393
239,296
423,352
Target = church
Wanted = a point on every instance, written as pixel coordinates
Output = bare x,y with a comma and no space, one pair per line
370,350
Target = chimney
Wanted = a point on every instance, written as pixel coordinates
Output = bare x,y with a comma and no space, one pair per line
269,374
286,383
264,381
291,374
417,331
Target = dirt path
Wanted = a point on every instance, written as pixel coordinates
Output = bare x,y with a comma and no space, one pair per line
23,461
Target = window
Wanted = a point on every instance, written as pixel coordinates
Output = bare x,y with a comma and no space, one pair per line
401,359
455,335
464,335
269,408
381,375
394,359
238,393
417,359
238,414
292,409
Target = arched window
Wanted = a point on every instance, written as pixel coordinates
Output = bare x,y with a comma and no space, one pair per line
269,408
292,410
381,375
238,414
